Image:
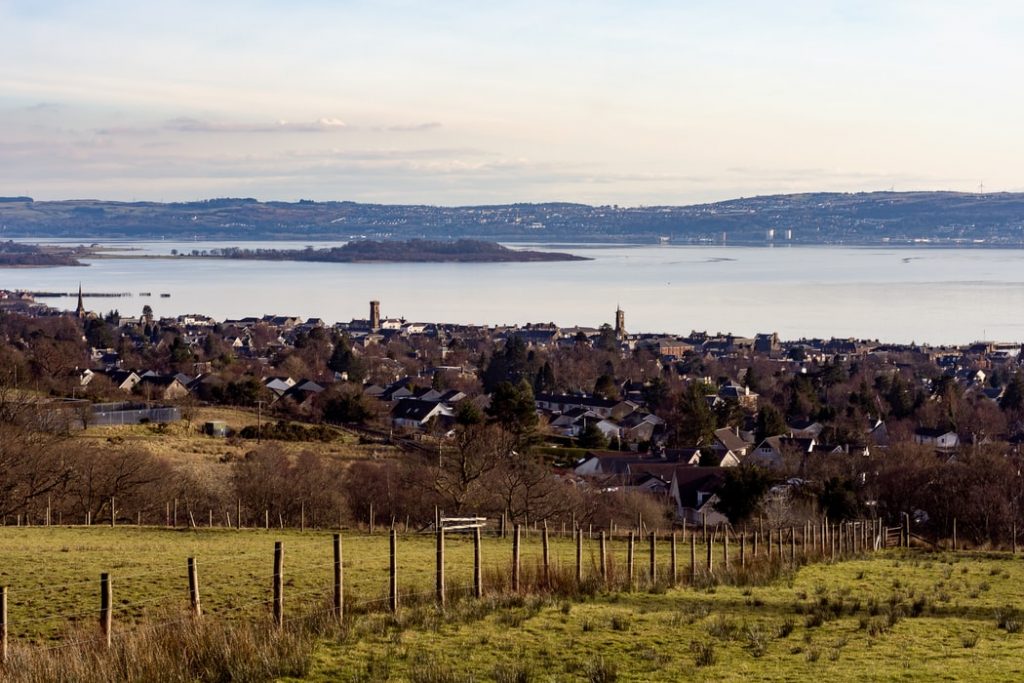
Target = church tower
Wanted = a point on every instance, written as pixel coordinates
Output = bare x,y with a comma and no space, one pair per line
80,311
620,323
374,315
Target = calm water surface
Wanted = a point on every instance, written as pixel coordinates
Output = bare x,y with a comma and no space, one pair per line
897,294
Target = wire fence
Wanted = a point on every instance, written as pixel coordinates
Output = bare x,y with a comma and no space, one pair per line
388,572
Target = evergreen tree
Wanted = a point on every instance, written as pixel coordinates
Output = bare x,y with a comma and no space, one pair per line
740,494
513,407
343,360
545,380
1013,395
592,437
694,420
769,423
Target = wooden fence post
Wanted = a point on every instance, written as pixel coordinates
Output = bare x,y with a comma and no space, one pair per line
711,561
907,517
3,624
704,525
653,576
106,608
302,516
339,585
603,556
725,548
370,523
579,557
630,549
673,561
755,544
278,584
439,587
547,555
113,514
954,534
193,588
693,558
743,549
478,584
515,558
504,522
393,573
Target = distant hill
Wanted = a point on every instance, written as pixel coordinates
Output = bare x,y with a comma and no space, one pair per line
816,218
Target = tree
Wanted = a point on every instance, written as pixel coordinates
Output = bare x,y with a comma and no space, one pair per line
605,387
592,436
769,423
344,361
656,394
545,381
838,498
345,406
606,339
1013,396
513,407
693,422
511,364
99,334
740,494
459,479
270,480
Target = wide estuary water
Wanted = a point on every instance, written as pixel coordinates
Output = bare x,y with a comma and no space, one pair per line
895,294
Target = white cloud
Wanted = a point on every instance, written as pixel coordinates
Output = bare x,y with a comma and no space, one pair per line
186,124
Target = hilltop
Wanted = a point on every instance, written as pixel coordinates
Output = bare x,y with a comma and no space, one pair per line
814,218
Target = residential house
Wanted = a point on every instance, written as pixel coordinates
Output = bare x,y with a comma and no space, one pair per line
773,450
606,408
693,492
161,387
278,385
943,440
729,440
413,413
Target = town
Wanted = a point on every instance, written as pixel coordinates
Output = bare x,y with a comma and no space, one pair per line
703,428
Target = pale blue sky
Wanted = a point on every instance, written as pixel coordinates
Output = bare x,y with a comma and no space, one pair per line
477,102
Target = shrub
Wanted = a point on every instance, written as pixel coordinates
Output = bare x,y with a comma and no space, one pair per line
703,652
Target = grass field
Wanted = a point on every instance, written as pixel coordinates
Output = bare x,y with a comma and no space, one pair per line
887,618
182,444
53,573
893,616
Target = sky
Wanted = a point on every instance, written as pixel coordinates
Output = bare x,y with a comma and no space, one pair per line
455,103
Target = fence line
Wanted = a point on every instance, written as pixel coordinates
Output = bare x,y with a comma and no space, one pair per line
608,560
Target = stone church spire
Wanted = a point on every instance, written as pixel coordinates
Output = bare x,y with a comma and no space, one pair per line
80,311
